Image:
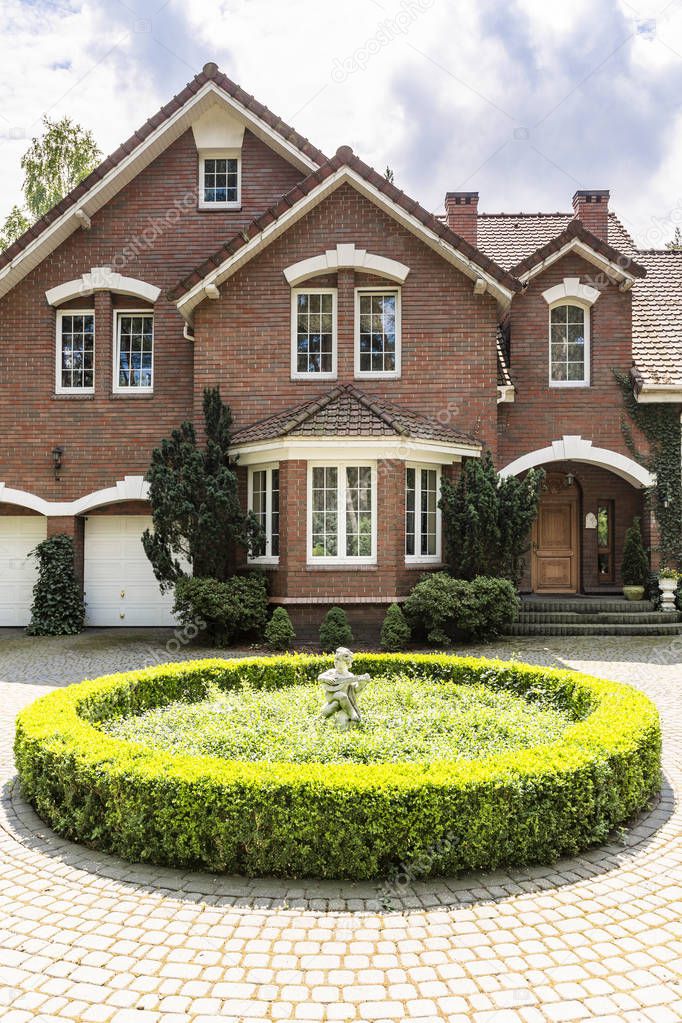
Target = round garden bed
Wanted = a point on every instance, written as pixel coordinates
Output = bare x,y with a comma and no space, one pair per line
224,765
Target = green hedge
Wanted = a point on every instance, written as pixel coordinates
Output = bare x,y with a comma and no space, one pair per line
337,821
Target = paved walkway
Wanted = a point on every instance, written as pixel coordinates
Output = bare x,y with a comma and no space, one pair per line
86,937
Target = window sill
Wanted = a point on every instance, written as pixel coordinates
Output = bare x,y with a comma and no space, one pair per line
137,395
556,386
298,378
263,562
343,566
376,376
424,564
222,206
73,396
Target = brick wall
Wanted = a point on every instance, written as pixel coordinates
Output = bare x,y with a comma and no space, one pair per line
107,436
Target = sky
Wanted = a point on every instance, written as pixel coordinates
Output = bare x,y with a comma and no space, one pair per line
524,101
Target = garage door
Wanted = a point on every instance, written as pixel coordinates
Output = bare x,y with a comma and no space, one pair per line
120,588
19,534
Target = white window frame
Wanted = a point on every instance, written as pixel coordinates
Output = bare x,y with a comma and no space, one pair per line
423,559
59,388
268,558
117,388
295,374
341,466
220,154
580,304
379,374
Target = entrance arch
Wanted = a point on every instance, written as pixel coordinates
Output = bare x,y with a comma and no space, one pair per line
576,449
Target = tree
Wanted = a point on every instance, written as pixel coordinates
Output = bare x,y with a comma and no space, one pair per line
54,163
196,513
635,564
675,244
487,521
388,174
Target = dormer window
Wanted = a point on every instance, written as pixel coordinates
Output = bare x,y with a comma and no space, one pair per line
569,346
219,180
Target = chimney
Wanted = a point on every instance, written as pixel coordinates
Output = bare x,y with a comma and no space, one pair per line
461,209
591,207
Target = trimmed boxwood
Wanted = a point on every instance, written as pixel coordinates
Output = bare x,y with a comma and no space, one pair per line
337,820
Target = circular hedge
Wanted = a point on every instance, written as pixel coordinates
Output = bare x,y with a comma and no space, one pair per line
344,820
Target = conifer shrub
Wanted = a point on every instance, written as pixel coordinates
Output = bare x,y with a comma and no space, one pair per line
335,630
395,632
279,632
58,608
635,564
443,609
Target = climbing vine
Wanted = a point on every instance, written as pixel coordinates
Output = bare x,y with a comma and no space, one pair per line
660,424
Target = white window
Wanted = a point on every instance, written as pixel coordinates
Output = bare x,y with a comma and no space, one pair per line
377,333
342,514
264,503
220,180
75,365
422,515
313,333
569,345
134,351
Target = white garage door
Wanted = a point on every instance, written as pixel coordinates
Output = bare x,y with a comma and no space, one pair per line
120,588
19,534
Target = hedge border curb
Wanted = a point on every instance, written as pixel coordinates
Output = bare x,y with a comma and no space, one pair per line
352,821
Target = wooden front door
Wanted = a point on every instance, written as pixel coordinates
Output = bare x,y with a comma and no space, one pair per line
555,539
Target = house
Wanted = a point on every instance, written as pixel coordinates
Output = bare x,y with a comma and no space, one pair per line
365,345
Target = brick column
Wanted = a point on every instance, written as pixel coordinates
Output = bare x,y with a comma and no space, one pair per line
104,333
346,325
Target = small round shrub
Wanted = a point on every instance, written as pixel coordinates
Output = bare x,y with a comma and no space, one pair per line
224,611
58,608
279,632
395,632
338,820
443,609
335,630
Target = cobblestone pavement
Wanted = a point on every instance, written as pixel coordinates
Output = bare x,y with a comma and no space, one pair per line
86,937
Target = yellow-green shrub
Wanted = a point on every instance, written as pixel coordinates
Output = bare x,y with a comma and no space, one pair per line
344,820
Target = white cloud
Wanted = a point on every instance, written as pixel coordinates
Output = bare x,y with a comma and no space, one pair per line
525,101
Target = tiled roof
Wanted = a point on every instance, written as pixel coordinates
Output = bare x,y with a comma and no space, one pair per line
346,411
657,319
344,157
210,72
509,238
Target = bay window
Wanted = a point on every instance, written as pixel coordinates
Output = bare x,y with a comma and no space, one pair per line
569,351
422,516
342,513
264,503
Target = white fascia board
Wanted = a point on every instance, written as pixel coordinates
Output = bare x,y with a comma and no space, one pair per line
576,245
651,393
344,175
396,448
131,165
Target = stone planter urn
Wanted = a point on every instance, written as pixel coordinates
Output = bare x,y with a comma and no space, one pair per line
633,592
668,588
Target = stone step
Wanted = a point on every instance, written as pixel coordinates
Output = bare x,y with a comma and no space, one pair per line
635,629
586,605
600,618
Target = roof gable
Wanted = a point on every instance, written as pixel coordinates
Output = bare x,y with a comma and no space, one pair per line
343,168
208,88
576,238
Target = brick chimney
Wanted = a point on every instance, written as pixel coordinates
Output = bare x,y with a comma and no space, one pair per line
591,207
461,209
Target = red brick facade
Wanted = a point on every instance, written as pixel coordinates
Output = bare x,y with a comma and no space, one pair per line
242,342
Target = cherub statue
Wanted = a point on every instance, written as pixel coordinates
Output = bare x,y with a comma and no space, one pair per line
341,689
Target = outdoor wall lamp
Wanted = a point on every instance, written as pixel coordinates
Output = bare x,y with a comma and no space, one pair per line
570,479
57,453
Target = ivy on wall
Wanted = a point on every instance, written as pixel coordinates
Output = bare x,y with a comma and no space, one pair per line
661,426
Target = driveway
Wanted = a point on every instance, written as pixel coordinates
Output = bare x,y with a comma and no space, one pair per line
86,937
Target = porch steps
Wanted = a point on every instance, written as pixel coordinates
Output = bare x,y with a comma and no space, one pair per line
593,616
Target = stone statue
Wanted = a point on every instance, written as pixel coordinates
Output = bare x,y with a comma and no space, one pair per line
341,688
